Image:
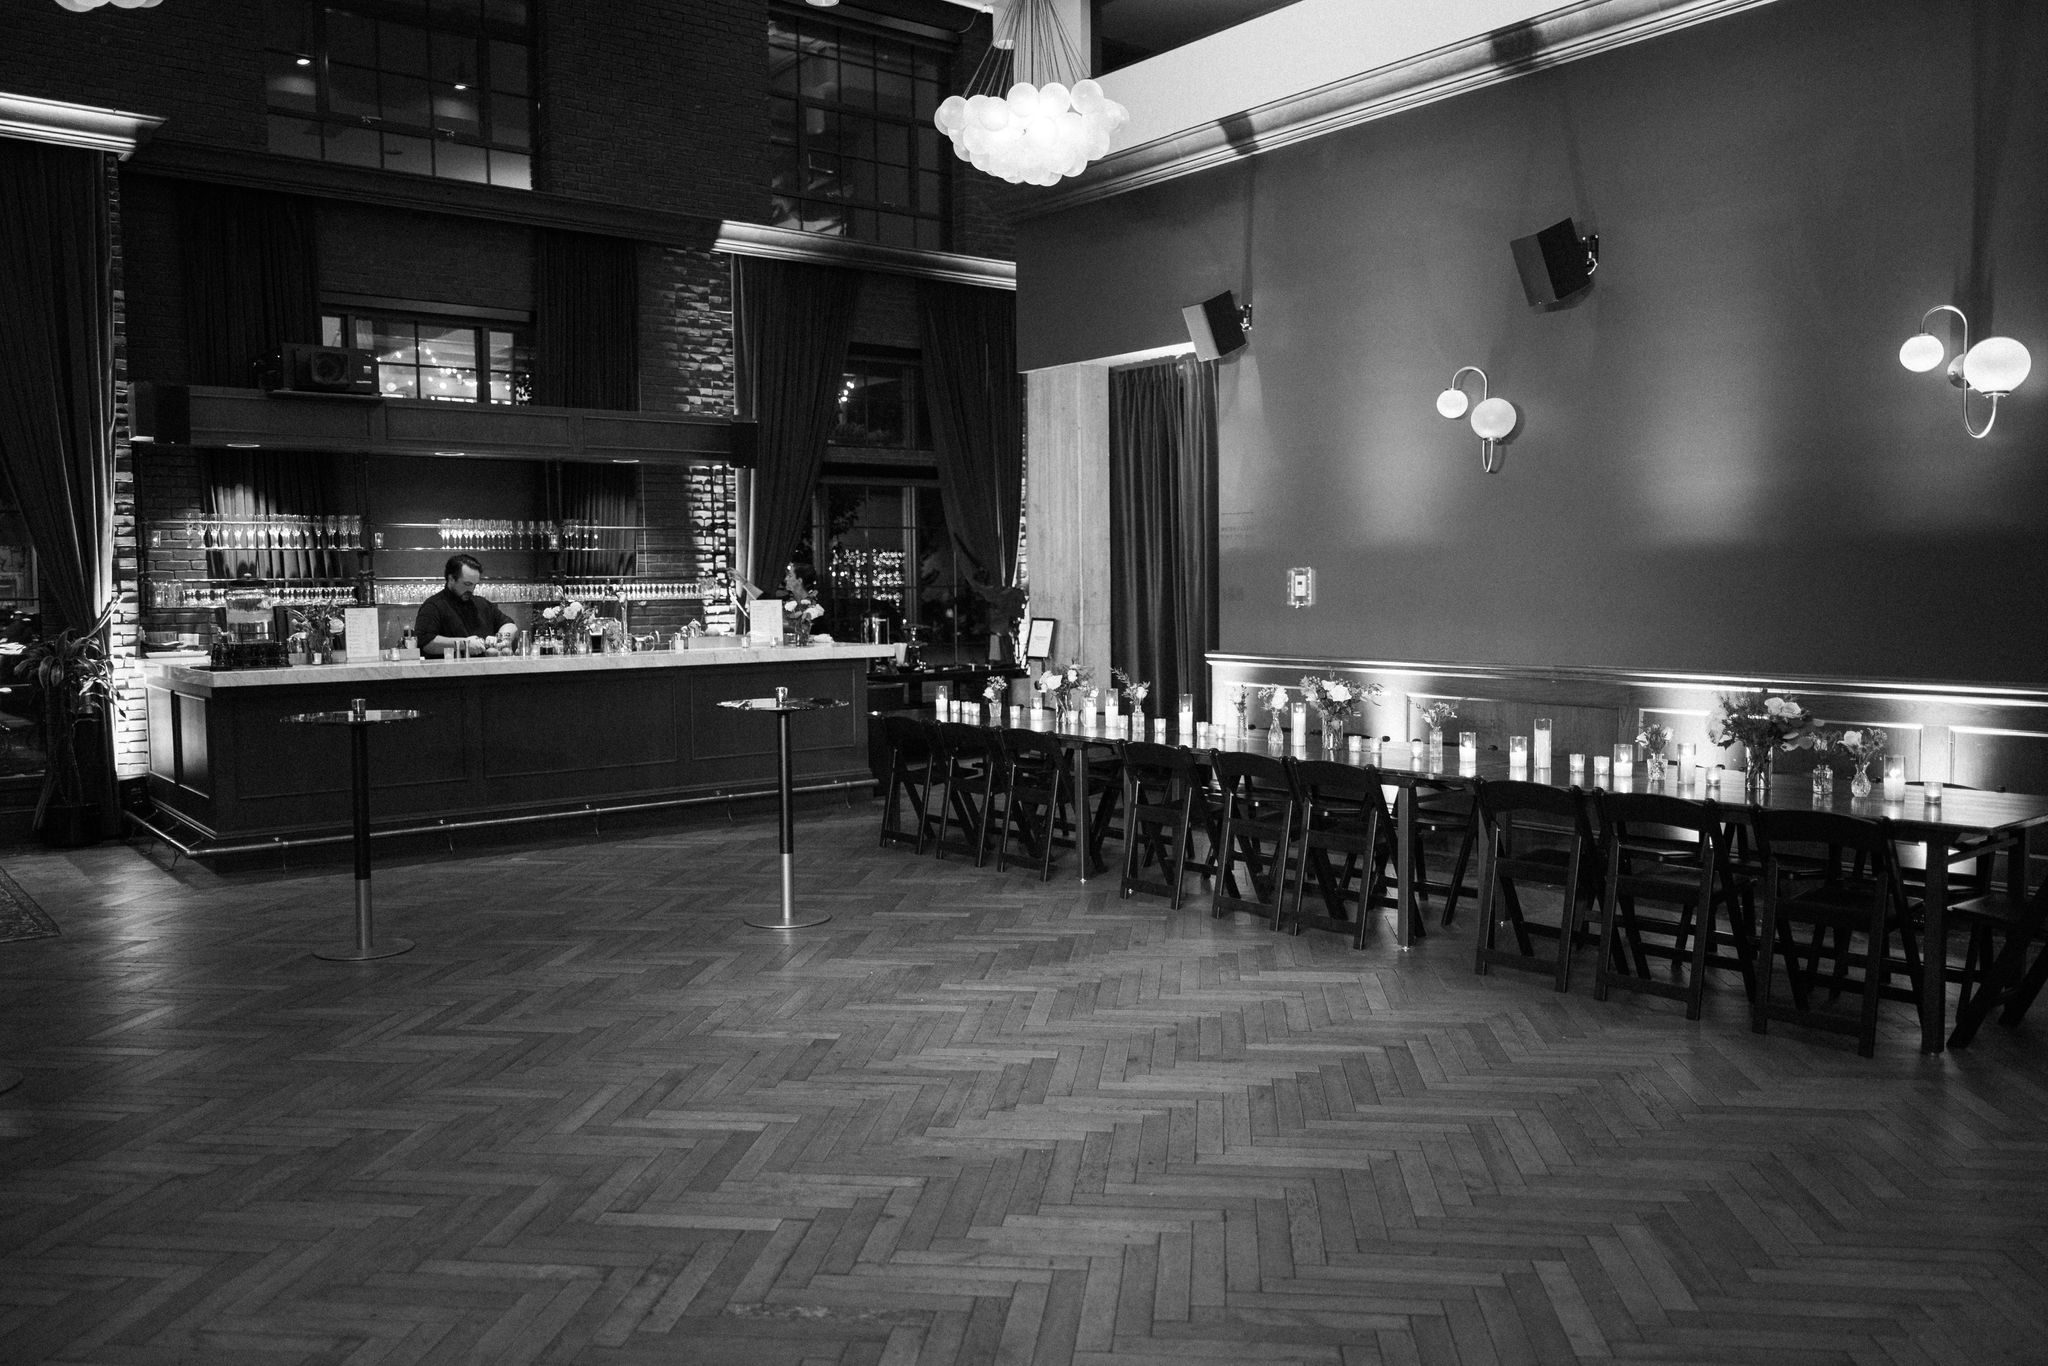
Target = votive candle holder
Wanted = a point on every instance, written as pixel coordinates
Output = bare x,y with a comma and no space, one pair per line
1624,762
1518,752
1894,778
1600,770
1540,742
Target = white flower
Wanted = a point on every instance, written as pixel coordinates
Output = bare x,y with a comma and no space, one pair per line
1338,692
1048,681
814,611
1781,706
1852,739
551,614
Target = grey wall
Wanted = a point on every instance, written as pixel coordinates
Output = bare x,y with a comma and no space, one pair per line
1721,464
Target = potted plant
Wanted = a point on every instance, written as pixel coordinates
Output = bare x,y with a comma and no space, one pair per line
73,680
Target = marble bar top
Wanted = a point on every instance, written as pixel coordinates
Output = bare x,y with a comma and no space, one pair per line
202,682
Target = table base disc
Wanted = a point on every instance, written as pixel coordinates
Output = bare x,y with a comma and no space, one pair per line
390,948
788,924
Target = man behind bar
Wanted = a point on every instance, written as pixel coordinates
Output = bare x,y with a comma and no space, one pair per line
456,620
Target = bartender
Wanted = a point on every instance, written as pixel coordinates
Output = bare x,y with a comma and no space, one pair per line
456,620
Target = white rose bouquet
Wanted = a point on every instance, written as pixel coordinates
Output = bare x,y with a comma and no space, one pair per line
1134,692
1763,724
1063,685
1436,713
1337,700
1865,748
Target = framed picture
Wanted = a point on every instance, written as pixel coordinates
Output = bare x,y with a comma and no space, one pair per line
1038,638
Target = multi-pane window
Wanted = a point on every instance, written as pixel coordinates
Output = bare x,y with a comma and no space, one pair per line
880,404
855,150
430,87
460,362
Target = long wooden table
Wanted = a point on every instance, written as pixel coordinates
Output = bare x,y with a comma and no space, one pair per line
1943,830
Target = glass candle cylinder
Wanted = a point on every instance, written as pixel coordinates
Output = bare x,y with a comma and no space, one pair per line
1712,776
1823,785
1688,755
1600,771
942,700
1575,766
1354,745
1297,724
1540,746
1159,729
1111,709
1187,713
1894,778
1468,746
1518,752
1931,790
1624,762
1418,751
1037,717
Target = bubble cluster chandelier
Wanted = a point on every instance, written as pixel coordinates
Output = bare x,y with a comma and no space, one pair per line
1041,127
81,6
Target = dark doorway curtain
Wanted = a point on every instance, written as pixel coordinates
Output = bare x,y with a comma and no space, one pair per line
252,279
793,320
57,368
976,401
604,500
1162,527
586,321
246,491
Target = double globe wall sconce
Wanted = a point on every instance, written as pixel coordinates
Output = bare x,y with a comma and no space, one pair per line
1492,418
1993,367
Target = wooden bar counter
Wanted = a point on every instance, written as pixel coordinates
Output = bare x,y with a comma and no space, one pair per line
500,737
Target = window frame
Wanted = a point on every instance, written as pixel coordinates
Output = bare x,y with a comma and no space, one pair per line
480,323
314,48
858,217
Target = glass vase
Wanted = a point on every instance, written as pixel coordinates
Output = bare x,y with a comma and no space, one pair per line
1859,781
1756,777
1436,747
1333,734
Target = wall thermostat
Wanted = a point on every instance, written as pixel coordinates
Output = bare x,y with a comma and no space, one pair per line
1301,587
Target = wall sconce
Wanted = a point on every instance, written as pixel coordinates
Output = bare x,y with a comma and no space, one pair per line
1993,367
1492,418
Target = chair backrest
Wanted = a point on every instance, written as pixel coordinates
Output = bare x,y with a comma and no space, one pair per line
1235,768
1505,798
1161,763
957,737
1655,808
1325,780
906,736
1031,749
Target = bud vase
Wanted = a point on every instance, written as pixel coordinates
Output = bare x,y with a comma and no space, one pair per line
1859,781
1756,778
1436,748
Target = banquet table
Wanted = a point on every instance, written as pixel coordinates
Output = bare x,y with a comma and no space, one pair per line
1943,830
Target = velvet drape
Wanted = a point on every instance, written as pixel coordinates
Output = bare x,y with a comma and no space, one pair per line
975,398
243,487
586,321
606,497
793,321
252,279
1162,517
57,367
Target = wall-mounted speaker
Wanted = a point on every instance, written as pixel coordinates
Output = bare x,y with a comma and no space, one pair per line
744,450
1215,326
1555,264
326,369
159,413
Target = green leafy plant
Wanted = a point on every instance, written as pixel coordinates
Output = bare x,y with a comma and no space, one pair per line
75,682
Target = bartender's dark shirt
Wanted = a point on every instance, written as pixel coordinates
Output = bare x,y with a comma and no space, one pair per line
444,614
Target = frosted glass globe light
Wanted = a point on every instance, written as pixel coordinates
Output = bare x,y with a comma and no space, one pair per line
1493,419
1452,403
1996,365
1922,353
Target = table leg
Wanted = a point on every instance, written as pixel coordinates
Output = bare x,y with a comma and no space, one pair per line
1080,753
1934,950
1404,864
788,841
366,946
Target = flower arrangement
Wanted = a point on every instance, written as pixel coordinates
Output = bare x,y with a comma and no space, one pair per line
995,690
1337,700
1436,713
1654,739
1763,724
315,627
1062,685
1134,692
799,609
560,618
1865,747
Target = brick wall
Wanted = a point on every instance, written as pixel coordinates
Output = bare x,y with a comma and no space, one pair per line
131,729
403,254
686,338
664,108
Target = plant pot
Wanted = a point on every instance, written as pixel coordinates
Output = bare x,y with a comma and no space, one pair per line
69,827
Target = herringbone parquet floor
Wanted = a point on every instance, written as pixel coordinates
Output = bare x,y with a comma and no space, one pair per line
593,1118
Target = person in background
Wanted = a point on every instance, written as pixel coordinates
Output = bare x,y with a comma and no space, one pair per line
457,620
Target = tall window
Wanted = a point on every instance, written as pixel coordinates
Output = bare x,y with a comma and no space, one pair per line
855,151
448,359
880,402
430,87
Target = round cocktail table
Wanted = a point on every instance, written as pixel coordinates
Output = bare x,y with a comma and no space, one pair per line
359,718
783,705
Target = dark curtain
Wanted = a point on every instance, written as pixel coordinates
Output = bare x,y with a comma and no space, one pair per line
605,500
1162,527
252,279
586,321
793,321
976,401
247,493
57,367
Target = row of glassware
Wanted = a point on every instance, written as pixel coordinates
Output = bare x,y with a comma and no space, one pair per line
497,533
273,531
188,593
412,592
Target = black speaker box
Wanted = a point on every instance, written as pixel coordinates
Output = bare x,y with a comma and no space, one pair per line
160,413
327,369
1555,264
1214,326
745,448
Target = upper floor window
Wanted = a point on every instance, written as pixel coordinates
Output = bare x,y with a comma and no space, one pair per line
429,87
449,359
881,403
855,152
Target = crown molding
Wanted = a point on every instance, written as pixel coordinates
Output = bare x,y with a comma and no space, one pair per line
1585,29
74,125
817,248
